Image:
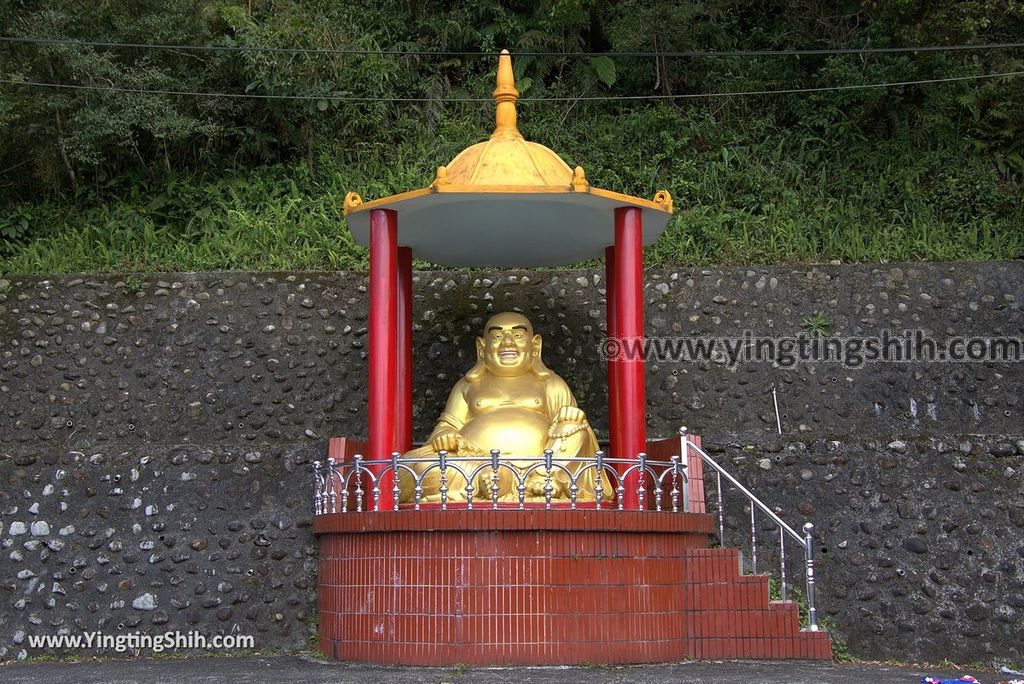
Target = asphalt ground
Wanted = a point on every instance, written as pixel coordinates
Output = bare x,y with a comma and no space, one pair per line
312,671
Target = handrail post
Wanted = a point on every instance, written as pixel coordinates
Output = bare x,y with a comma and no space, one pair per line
548,486
782,562
359,483
332,497
318,488
721,514
641,480
396,489
494,478
812,612
442,487
753,540
684,457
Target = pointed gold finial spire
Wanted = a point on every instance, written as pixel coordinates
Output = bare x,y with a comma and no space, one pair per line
505,96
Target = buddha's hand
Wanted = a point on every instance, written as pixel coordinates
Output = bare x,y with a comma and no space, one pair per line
567,422
448,441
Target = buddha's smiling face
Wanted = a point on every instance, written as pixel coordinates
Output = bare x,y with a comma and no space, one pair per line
508,346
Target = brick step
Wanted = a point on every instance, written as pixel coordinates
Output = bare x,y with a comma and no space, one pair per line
771,632
788,608
731,616
743,592
741,624
710,565
804,646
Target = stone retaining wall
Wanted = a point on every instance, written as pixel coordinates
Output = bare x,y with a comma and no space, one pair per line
238,358
920,540
155,434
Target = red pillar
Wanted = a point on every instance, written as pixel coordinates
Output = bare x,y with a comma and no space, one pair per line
614,419
403,407
629,326
383,350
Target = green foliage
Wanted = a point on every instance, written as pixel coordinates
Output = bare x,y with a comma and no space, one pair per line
817,324
115,180
840,648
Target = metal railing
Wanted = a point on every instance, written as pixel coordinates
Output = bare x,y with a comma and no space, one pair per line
806,540
477,482
598,481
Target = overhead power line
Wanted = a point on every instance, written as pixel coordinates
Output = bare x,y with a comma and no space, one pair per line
566,98
532,53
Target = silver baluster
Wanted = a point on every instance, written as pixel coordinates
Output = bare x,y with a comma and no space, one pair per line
470,489
442,487
344,492
812,612
417,492
521,488
782,561
574,489
641,481
657,493
675,484
317,489
332,496
599,481
548,488
753,541
396,488
324,503
721,514
495,490
359,483
684,458
620,490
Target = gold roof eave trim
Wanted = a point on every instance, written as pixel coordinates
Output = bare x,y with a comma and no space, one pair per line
354,203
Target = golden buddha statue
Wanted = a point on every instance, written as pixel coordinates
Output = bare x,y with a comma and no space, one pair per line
512,402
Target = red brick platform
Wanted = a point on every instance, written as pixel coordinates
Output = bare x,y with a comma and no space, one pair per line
485,587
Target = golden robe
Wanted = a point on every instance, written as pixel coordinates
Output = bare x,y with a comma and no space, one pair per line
518,418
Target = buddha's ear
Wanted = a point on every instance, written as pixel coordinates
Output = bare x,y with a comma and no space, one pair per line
536,346
480,346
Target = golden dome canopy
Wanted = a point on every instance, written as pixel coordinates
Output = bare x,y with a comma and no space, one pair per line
507,202
507,158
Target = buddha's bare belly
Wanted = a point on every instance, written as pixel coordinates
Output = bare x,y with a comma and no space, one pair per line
514,430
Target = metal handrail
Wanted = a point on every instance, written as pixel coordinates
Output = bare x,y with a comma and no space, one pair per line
334,480
806,540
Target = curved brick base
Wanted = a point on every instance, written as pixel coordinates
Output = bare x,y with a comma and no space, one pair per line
505,587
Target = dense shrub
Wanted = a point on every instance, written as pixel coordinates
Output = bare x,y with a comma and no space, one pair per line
102,180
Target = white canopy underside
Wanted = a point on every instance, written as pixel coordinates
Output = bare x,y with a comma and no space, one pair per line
507,229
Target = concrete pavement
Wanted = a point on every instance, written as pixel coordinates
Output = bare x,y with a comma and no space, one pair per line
311,671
